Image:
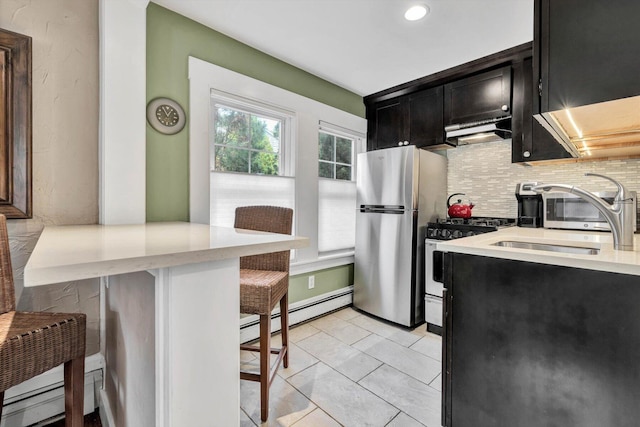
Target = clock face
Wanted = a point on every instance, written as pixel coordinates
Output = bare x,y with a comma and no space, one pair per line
166,116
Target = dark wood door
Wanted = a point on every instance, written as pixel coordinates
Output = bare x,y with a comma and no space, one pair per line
530,141
426,120
483,96
386,123
589,51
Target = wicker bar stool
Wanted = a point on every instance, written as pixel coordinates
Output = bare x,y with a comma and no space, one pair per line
264,281
32,343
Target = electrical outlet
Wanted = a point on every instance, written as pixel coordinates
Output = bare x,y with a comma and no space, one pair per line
312,282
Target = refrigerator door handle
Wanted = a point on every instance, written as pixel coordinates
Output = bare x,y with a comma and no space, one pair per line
392,209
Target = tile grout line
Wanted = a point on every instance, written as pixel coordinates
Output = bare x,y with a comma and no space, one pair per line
348,379
418,337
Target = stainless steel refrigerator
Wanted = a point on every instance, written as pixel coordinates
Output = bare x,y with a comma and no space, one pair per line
399,191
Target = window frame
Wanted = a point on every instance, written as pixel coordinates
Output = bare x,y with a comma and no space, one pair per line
250,106
358,146
206,78
335,162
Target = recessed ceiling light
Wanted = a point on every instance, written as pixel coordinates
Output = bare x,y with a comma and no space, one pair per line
416,12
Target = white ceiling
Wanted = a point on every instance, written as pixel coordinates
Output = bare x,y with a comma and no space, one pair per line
367,46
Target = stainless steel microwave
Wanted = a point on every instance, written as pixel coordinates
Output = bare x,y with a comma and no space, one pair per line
568,211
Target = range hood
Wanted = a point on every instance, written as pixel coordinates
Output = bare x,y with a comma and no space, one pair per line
481,131
606,129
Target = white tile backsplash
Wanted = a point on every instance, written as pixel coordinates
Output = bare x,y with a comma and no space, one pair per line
484,172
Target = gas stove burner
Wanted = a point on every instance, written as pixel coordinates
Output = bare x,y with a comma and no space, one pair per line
448,221
481,221
489,222
455,228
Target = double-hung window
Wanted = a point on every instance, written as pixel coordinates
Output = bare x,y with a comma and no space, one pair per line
335,156
250,145
337,151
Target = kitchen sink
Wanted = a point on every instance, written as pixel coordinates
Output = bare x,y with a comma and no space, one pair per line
548,247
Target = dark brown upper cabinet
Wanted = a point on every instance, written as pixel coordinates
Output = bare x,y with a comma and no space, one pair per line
586,62
587,51
480,97
385,123
530,142
15,125
426,128
413,119
418,111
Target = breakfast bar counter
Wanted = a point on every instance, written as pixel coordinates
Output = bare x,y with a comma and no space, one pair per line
194,269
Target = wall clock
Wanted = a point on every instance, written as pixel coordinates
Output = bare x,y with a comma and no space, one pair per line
166,116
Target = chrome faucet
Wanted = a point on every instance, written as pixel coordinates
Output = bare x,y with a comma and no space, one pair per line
621,215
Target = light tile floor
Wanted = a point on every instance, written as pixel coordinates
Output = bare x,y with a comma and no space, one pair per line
350,369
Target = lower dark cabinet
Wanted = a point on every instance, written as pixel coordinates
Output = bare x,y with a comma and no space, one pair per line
533,345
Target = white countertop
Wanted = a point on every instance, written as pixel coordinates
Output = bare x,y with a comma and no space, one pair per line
608,259
66,253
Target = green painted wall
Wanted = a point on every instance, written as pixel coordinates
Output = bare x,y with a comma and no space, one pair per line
171,39
327,280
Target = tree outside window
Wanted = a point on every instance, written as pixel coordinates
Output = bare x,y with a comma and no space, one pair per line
246,142
335,155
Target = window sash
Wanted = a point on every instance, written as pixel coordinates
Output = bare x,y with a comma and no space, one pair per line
220,99
334,153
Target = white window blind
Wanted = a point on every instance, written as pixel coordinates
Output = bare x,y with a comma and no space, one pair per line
337,196
231,190
336,215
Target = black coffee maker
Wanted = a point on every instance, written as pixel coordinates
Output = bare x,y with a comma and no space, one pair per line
530,209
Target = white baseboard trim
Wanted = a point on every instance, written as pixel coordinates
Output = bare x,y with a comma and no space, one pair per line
42,397
298,312
106,413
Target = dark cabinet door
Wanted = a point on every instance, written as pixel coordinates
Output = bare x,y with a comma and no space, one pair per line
480,97
413,119
589,51
533,345
386,124
530,141
426,126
